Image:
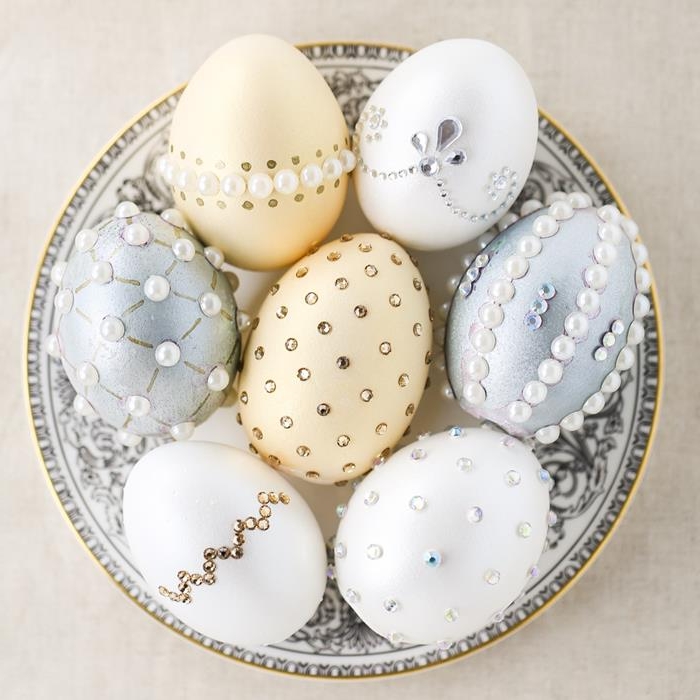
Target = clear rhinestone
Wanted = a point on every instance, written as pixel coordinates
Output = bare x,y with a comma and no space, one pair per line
391,605
547,290
475,514
473,274
341,509
464,464
600,354
501,182
417,454
395,637
432,558
352,596
498,617
456,431
552,518
609,340
465,289
340,550
539,306
451,615
524,530
371,498
481,260
617,326
444,644
532,320
534,572
512,477
429,166
492,577
417,503
545,476
374,551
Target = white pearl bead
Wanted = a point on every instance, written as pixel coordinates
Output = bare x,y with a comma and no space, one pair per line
444,310
467,260
483,340
260,185
446,391
529,206
501,290
169,172
243,321
610,233
53,346
610,213
82,406
126,209
611,383
136,234
63,301
515,266
138,406
348,160
605,253
85,240
332,169
112,329
128,439
506,220
473,394
550,371
561,209
210,304
162,163
640,252
642,279
596,276
452,283
439,336
579,200
233,280
439,361
167,353
630,228
476,368
57,272
548,434
186,180
563,348
625,360
535,392
545,226
87,374
518,411
174,218
233,185
311,175
218,378
588,301
101,272
529,246
182,431
214,256
642,306
635,334
156,288
555,196
208,184
491,315
286,182
576,324
183,249
594,403
573,421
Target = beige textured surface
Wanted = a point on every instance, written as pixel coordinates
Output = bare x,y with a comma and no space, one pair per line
623,76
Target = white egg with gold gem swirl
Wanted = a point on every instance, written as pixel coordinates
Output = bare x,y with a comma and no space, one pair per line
214,531
337,359
439,541
445,144
145,324
259,153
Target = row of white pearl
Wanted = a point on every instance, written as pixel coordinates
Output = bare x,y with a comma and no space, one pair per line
259,185
112,329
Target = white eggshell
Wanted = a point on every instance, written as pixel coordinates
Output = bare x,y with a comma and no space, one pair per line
465,499
182,498
337,360
405,184
259,153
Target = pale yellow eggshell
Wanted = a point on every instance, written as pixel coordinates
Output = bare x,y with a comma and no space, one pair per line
378,318
257,106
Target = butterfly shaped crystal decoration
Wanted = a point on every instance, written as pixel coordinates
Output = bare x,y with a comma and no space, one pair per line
448,131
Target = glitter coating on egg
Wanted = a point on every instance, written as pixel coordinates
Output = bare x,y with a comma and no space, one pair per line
436,543
445,144
259,153
547,317
214,531
146,324
337,360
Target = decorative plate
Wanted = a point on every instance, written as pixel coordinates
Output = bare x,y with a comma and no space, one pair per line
595,470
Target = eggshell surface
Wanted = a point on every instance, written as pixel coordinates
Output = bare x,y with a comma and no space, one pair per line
259,153
184,498
337,360
437,542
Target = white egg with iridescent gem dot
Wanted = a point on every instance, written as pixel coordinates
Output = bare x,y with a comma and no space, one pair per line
437,542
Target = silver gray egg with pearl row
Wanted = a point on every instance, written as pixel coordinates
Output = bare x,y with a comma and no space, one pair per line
546,318
145,324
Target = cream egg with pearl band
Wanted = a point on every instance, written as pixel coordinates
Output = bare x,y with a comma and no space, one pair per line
535,347
146,325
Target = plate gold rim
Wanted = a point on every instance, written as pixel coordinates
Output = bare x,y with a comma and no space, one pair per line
457,657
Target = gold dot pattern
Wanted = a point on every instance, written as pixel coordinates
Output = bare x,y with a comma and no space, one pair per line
338,360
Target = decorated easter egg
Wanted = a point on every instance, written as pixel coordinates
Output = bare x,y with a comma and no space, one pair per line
547,317
259,153
445,144
214,531
146,324
337,360
436,543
